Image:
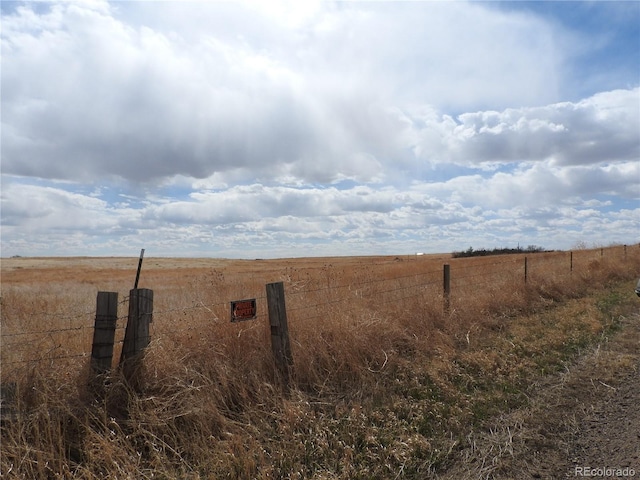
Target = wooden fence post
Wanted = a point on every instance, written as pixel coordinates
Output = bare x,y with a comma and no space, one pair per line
279,330
525,270
104,332
8,402
571,261
136,336
446,286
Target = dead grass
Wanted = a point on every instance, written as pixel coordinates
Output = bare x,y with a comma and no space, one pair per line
387,384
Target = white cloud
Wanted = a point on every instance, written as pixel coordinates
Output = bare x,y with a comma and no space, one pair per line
261,129
543,184
42,208
259,220
87,94
600,129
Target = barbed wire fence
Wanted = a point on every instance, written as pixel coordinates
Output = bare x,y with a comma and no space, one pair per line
306,301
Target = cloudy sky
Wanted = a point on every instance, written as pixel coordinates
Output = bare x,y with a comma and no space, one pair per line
294,128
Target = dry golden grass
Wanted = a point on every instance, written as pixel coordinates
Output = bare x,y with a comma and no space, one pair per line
386,382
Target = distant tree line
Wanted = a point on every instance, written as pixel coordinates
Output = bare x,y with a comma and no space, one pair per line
470,252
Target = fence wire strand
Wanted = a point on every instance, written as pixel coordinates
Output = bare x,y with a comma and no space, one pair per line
334,294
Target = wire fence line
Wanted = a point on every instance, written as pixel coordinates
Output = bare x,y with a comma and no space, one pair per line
308,299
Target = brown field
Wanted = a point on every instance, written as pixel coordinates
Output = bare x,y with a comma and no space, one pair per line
386,381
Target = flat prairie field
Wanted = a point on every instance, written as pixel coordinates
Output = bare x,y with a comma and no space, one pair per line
159,272
25,269
394,358
45,293
48,303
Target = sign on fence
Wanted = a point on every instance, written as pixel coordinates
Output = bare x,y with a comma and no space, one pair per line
243,310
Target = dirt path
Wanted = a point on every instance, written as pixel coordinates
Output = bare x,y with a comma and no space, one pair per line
609,433
584,423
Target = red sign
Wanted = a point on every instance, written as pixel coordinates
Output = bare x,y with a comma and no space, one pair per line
243,310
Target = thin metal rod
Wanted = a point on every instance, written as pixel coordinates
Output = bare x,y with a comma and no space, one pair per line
139,268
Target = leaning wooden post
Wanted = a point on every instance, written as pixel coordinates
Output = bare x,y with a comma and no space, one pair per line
279,330
104,332
446,286
136,336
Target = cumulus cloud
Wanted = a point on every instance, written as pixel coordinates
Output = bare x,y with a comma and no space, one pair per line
239,128
88,93
38,209
535,205
600,129
542,184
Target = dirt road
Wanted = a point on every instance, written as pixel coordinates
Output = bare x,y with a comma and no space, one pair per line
583,423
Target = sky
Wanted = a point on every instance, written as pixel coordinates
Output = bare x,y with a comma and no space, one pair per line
253,129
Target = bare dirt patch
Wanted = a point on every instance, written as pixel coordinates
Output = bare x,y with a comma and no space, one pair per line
579,423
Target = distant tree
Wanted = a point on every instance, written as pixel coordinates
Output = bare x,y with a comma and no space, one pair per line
580,245
470,252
